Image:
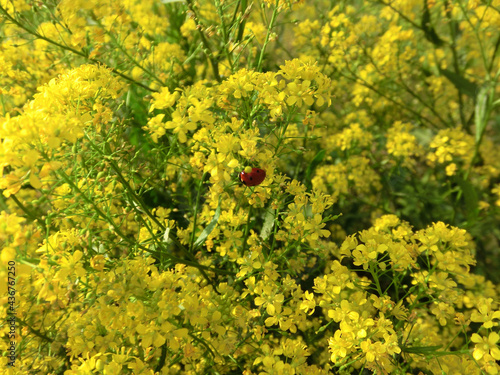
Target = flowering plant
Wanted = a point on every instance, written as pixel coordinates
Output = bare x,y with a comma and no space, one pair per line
258,188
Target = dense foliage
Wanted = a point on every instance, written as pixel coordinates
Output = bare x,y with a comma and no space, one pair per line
372,245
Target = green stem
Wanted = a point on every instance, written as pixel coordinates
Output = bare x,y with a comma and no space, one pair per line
125,52
35,331
145,210
247,230
208,53
269,30
225,37
28,212
241,28
196,207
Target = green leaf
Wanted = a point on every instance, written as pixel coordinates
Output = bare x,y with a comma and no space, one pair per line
471,200
312,166
429,31
421,349
480,115
462,84
268,225
210,227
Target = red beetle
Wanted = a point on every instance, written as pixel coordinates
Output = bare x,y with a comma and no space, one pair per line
253,178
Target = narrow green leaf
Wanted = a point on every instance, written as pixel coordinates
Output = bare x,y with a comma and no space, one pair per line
166,236
268,225
429,31
421,349
462,84
471,200
314,163
480,112
210,227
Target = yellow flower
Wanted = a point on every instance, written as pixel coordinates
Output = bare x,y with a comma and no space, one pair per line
156,127
485,313
181,125
315,226
164,99
486,345
308,304
340,345
298,93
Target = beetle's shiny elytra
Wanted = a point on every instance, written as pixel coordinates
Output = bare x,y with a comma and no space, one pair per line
253,178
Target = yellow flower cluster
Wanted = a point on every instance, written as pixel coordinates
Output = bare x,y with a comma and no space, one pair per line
354,176
368,310
452,148
403,145
56,117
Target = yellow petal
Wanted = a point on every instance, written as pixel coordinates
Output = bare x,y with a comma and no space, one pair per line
35,181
